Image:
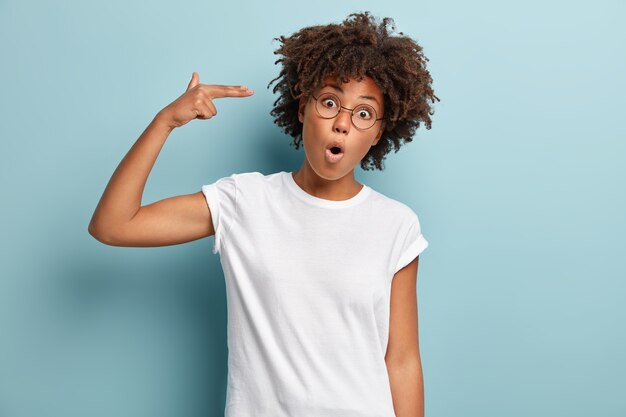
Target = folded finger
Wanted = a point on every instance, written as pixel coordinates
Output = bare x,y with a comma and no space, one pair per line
204,111
211,106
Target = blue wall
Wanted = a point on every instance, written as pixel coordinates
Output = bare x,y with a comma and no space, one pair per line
520,292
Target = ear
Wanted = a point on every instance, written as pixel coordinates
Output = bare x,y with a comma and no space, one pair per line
301,107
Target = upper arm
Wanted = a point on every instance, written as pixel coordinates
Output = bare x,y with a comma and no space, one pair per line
165,222
403,332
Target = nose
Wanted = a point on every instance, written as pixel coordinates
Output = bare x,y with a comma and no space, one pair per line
343,121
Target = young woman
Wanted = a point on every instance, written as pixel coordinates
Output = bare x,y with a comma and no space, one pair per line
320,269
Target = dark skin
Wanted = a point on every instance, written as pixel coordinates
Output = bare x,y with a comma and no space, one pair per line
120,220
358,46
330,181
403,360
336,181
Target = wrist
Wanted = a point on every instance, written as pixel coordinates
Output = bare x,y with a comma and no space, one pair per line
162,121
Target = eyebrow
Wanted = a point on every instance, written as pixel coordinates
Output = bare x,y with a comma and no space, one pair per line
336,87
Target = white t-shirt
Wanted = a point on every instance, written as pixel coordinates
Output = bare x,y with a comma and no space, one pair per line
308,295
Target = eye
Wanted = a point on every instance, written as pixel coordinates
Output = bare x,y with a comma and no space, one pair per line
329,102
364,113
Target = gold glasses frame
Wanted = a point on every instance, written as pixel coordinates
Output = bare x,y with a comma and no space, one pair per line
340,107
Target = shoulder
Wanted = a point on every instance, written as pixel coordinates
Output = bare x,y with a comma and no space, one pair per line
256,184
255,179
393,209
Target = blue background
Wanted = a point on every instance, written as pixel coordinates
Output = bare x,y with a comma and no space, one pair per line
517,186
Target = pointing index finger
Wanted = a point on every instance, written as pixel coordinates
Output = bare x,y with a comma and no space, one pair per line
230,91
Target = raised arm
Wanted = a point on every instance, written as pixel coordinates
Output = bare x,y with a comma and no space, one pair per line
119,219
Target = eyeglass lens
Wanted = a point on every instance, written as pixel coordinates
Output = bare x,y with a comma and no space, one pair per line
328,106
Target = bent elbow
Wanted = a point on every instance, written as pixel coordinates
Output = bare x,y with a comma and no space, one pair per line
99,235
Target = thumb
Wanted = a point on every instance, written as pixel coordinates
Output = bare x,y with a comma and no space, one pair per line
195,79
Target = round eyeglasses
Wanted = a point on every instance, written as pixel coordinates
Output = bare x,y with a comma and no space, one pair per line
328,106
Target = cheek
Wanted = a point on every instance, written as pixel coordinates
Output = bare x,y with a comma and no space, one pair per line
314,129
365,144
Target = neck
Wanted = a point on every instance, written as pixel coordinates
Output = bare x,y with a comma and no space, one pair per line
342,188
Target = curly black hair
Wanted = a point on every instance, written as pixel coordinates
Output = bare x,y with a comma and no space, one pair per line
356,48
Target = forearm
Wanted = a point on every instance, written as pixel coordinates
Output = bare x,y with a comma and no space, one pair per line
407,387
122,196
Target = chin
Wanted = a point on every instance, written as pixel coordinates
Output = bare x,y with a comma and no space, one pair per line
332,172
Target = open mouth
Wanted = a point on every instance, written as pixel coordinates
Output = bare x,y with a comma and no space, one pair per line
335,147
335,150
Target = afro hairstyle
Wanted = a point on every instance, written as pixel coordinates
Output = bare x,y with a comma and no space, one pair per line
357,47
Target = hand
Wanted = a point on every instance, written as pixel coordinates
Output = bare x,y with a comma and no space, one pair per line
197,101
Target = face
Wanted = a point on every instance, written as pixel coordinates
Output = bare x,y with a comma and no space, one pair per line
319,133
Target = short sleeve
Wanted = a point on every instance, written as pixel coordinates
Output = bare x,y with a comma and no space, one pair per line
221,197
414,244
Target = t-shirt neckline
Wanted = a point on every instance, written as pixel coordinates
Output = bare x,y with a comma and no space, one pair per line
322,202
